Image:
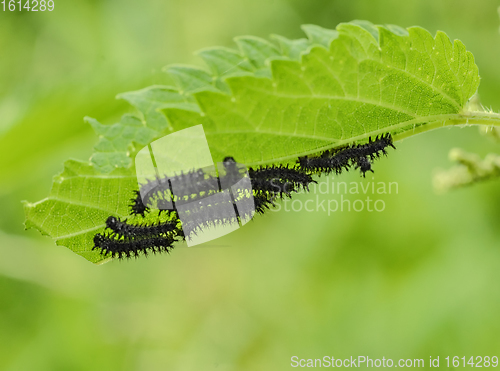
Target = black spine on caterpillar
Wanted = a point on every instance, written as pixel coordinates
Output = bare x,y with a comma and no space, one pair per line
124,229
121,248
137,207
263,202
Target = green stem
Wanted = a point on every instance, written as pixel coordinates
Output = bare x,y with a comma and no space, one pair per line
466,118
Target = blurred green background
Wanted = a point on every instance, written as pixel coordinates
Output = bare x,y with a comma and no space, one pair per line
417,280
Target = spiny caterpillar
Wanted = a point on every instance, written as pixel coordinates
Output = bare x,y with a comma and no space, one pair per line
128,247
357,155
193,187
279,180
121,228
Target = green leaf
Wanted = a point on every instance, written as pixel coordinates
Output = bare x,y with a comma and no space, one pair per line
356,89
115,147
225,62
270,103
292,48
149,100
112,149
320,35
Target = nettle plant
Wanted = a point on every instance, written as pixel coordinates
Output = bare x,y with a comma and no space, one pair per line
282,104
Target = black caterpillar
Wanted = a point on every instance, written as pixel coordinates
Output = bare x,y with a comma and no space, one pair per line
279,180
126,248
357,155
268,183
123,229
